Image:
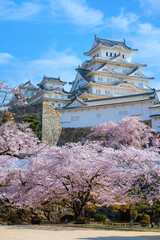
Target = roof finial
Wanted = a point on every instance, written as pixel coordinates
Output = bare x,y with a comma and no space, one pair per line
124,40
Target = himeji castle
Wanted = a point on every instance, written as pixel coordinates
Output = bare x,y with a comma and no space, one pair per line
108,86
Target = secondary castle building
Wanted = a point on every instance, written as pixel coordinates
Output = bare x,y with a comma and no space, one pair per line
108,86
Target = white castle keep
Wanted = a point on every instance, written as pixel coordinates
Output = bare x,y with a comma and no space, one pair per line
108,86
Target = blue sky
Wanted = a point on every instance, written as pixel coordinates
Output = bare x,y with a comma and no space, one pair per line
50,36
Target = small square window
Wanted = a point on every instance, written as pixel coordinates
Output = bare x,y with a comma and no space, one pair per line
123,55
110,54
98,90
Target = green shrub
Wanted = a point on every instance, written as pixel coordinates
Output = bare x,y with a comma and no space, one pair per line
82,220
100,218
141,217
144,223
107,221
36,220
68,217
15,218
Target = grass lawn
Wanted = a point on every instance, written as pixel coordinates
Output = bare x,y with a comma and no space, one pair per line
114,227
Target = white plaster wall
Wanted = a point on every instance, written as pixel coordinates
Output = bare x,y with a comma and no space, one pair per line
110,79
156,123
53,86
122,91
102,90
28,93
96,116
102,53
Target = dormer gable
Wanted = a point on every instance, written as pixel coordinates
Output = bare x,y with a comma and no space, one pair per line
136,73
105,68
76,102
119,59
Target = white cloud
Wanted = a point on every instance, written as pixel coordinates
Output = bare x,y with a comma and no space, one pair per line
52,64
9,10
147,38
151,7
123,22
5,58
78,12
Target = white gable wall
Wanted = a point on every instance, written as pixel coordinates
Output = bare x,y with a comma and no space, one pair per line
95,116
156,123
48,86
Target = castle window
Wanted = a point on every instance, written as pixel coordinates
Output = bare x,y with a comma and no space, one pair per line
110,54
59,104
106,53
76,118
123,55
115,54
98,91
141,84
107,92
100,79
97,55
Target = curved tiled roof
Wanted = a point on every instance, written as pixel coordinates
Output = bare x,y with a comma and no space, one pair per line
111,43
83,73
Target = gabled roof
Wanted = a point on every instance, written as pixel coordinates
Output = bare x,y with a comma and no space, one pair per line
83,73
110,43
28,85
113,100
137,70
75,100
93,72
114,60
51,80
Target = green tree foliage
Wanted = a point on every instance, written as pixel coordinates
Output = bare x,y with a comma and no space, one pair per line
143,217
7,117
100,218
35,123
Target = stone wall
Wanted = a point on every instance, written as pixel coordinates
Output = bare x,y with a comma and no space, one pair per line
23,111
51,126
73,135
45,213
49,117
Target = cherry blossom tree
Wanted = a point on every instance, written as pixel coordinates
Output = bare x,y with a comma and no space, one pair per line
17,140
127,132
5,95
79,175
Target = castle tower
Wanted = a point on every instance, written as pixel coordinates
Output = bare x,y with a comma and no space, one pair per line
109,72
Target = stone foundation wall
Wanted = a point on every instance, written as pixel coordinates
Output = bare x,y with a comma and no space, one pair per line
73,135
49,117
23,111
46,213
51,126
